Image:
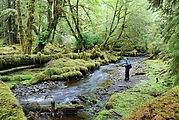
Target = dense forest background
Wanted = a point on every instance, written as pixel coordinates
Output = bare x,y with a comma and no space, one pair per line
81,24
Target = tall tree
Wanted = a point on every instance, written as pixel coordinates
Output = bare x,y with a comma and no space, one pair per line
29,24
54,12
8,16
20,26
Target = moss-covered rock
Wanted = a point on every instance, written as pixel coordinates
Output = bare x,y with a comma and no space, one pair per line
67,75
9,107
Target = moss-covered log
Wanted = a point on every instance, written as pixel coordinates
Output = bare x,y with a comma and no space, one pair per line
65,109
9,71
11,61
9,107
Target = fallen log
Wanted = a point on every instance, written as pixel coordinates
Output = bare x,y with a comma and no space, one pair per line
9,71
11,61
62,109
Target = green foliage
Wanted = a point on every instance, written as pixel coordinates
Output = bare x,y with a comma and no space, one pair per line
170,11
9,107
42,37
7,13
174,50
88,41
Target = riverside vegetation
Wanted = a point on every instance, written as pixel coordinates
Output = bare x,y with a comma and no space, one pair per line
146,100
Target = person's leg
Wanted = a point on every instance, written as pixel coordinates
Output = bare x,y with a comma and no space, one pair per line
127,74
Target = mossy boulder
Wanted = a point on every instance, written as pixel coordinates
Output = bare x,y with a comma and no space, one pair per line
9,107
67,75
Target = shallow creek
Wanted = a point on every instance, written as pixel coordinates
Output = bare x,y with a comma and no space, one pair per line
65,92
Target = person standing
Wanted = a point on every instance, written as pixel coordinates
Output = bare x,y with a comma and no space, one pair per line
127,66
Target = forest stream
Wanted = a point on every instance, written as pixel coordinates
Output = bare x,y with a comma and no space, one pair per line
63,59
95,88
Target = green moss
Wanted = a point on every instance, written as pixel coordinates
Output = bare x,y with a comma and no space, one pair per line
73,55
39,77
7,62
26,77
13,80
12,84
5,78
59,69
164,107
124,102
53,76
67,75
9,107
103,114
113,58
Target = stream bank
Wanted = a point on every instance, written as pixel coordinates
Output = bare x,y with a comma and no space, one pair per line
145,96
103,82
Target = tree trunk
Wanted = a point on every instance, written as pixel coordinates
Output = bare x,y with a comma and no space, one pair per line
9,24
122,29
15,26
30,19
112,29
20,26
76,20
53,15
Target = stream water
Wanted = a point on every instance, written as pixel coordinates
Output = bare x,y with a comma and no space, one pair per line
65,92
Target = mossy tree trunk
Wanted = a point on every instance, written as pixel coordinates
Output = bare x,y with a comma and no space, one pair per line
74,13
53,15
29,25
10,25
20,26
121,29
114,25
